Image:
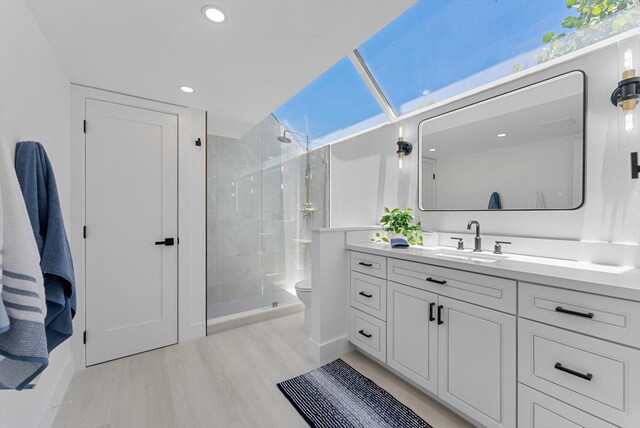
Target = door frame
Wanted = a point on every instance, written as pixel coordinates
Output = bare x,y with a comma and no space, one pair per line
433,162
191,211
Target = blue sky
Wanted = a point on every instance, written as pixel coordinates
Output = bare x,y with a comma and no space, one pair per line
431,45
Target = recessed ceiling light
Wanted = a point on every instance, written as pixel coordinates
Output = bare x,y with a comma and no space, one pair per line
432,150
214,14
187,89
502,135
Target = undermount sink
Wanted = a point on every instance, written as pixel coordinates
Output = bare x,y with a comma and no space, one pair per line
468,255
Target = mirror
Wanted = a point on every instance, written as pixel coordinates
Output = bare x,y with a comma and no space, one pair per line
523,150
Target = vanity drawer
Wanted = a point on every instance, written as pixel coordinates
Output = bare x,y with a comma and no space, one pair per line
483,290
369,334
369,294
594,375
369,264
538,410
606,317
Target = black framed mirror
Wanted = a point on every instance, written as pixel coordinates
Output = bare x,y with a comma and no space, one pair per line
521,150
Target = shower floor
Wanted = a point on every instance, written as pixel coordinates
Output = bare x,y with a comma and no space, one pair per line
230,307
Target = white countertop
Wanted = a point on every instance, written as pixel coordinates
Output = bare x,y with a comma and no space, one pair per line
614,281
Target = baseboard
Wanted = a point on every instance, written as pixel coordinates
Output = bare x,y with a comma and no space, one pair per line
193,331
55,397
251,317
330,350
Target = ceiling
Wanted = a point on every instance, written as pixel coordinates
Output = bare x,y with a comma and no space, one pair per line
241,70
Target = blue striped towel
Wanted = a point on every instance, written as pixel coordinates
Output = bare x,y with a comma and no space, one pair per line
38,185
23,343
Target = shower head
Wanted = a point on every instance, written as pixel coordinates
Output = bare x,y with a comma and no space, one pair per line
284,139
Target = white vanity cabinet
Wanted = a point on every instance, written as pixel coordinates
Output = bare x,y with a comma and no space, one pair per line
567,350
436,334
500,349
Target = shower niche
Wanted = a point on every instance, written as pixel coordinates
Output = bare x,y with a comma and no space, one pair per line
264,196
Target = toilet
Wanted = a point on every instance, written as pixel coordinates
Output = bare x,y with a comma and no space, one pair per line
303,291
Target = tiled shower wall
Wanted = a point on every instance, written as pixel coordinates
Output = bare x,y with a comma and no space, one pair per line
258,243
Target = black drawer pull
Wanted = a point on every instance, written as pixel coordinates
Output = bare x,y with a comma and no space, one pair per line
437,281
587,376
368,296
440,322
570,312
365,264
364,334
431,317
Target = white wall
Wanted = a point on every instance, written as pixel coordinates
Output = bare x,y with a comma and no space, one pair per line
365,175
34,105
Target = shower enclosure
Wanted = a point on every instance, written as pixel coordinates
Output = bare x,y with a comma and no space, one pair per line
263,198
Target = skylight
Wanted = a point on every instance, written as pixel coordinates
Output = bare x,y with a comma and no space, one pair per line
335,105
441,48
438,49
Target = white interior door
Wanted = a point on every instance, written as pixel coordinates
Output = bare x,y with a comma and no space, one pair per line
428,183
131,205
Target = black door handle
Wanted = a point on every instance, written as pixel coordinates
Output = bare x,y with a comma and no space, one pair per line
440,322
570,312
431,317
368,296
365,264
364,334
587,376
436,281
167,241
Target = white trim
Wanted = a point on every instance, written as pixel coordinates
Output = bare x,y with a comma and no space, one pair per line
329,350
191,211
55,397
372,85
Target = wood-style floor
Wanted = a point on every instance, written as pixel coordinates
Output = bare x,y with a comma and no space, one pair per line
224,380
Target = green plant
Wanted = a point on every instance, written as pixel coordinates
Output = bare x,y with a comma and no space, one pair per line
596,20
399,222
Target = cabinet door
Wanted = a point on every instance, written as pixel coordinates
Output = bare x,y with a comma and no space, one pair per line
411,335
477,362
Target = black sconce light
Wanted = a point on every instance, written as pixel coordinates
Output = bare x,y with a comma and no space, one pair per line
404,148
626,96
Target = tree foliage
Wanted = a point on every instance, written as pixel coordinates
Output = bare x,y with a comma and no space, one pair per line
596,20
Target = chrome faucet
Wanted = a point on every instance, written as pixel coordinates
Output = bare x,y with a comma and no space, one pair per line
477,243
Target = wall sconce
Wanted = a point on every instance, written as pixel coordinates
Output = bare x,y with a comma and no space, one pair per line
626,96
404,148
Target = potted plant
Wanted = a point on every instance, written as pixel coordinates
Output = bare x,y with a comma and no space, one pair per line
397,223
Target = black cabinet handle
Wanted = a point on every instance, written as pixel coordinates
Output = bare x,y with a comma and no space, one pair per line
587,376
431,317
364,334
365,264
167,241
368,296
570,312
440,322
437,281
